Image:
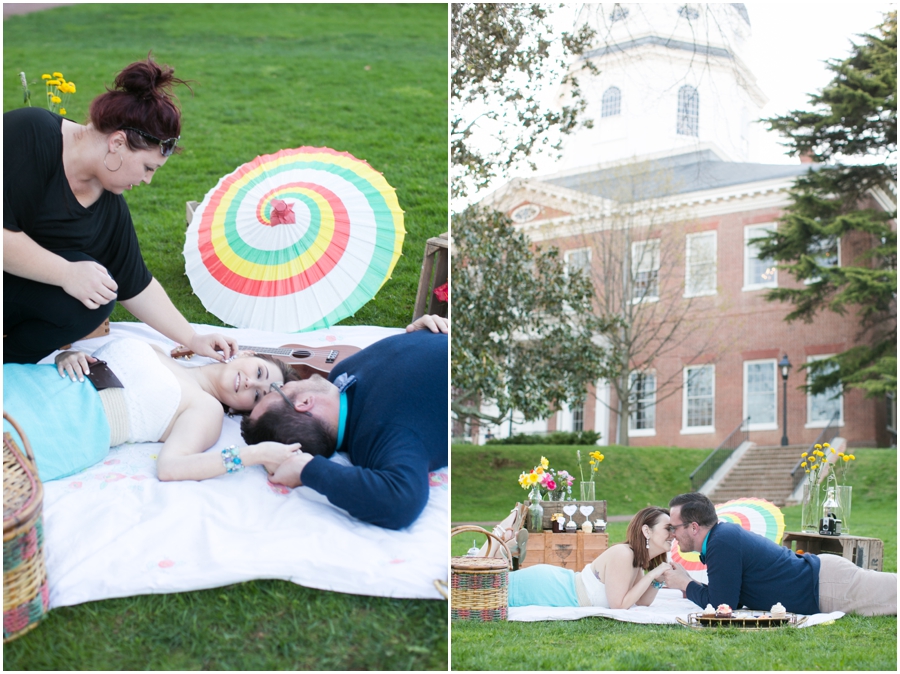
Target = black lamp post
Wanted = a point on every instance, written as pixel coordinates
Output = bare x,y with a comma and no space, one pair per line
785,366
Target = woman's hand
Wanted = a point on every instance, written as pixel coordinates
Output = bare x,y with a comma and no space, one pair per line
659,570
89,283
209,345
74,364
272,454
431,322
288,473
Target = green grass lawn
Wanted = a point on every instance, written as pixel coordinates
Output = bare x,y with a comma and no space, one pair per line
485,488
370,80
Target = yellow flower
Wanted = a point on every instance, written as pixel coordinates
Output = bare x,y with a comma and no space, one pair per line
826,445
803,465
533,478
544,463
807,471
846,458
52,83
592,462
602,457
852,458
840,454
55,99
57,74
62,111
539,470
71,86
597,455
833,450
45,77
818,446
804,455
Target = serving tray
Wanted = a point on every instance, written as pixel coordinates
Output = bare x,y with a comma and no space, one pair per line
741,620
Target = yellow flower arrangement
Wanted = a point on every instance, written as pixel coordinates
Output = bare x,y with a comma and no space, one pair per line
58,90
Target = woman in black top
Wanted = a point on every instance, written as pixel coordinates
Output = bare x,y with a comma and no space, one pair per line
69,246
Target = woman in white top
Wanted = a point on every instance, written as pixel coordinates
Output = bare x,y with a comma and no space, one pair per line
626,574
72,425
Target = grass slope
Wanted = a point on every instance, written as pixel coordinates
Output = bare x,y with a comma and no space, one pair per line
653,475
370,80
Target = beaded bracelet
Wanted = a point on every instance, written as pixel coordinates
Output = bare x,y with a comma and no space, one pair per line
231,458
657,584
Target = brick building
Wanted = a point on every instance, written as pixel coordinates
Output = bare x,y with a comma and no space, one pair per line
671,221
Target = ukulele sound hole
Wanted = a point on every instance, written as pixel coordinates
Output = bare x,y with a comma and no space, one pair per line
300,354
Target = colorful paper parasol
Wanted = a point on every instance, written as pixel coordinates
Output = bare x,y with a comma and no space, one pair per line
753,514
295,240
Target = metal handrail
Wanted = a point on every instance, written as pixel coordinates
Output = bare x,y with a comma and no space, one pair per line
720,454
827,435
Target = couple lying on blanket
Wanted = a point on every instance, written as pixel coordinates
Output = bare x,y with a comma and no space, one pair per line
385,406
743,569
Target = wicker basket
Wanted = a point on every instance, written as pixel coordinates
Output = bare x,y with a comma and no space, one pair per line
478,585
25,591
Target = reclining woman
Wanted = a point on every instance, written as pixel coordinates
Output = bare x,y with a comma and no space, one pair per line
71,425
624,575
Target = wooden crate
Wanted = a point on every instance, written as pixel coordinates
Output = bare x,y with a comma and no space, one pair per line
867,553
553,507
433,275
570,551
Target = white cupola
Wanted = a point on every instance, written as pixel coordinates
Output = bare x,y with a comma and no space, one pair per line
670,79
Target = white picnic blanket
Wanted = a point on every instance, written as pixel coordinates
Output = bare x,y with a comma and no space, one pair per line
666,608
114,530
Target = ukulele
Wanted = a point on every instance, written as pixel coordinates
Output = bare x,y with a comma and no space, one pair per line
305,360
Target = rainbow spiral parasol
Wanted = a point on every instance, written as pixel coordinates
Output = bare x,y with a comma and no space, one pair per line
295,240
753,514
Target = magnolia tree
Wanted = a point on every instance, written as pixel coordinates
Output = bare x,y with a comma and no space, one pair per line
525,337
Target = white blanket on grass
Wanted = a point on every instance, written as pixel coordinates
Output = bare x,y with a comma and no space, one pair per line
666,608
114,530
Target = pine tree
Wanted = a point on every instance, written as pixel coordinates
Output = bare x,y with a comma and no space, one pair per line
850,191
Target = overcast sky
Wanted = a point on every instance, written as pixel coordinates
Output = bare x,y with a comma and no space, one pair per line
789,43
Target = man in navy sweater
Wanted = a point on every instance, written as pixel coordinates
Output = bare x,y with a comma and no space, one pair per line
386,406
746,569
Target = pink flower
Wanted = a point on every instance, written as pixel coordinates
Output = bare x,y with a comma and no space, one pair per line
551,485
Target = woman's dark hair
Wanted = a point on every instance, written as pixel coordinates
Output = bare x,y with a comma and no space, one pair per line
141,98
638,542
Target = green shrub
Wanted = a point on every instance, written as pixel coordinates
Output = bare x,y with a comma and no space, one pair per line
555,438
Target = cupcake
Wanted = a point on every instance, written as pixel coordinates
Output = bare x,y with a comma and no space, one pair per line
709,611
778,611
723,611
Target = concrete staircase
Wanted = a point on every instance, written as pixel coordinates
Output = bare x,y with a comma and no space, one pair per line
763,472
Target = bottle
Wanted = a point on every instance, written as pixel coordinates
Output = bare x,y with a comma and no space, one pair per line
829,508
474,550
536,513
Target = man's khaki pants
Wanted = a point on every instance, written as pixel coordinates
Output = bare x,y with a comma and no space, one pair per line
845,587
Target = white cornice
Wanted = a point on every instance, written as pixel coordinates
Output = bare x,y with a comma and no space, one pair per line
744,197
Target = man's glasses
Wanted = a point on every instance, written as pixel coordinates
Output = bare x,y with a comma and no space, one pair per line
166,147
275,386
674,527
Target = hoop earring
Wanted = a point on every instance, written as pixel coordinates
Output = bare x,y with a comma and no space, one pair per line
121,161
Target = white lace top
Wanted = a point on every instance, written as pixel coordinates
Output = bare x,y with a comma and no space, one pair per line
151,392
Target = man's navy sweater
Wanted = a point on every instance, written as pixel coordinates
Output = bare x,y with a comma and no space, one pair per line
746,569
396,430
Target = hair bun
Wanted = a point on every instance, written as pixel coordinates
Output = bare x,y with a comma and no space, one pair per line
145,79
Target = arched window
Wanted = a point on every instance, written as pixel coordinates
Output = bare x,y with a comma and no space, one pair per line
688,122
611,103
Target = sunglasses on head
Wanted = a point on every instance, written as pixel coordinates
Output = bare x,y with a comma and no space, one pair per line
166,147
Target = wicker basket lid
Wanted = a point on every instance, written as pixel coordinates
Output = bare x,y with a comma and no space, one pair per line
478,563
22,491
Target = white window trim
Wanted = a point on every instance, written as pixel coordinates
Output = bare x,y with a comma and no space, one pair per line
643,432
756,286
568,254
690,430
809,397
687,261
646,298
768,426
815,280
